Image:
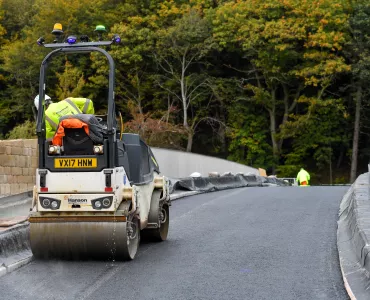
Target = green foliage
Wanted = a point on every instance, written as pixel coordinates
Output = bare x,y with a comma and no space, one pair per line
27,130
71,82
265,83
248,135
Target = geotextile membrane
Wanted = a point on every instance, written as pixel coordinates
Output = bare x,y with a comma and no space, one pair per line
353,238
210,184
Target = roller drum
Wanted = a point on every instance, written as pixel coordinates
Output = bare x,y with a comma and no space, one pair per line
80,240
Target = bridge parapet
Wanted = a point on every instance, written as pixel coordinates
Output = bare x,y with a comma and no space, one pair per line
18,162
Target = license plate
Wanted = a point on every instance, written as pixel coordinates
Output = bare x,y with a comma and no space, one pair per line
75,163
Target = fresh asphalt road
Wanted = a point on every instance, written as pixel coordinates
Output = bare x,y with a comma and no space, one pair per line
249,243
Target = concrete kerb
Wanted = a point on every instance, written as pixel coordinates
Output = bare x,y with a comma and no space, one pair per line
353,239
14,266
179,195
15,249
14,200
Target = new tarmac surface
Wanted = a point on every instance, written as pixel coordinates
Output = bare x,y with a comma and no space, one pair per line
249,243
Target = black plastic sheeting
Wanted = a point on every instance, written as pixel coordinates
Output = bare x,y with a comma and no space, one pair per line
353,237
209,184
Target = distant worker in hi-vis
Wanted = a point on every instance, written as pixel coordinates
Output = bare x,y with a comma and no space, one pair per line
303,178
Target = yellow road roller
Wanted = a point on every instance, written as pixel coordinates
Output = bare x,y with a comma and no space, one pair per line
97,189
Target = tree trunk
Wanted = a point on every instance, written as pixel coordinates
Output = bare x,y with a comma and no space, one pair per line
275,146
190,140
356,135
183,94
341,156
220,115
286,113
275,143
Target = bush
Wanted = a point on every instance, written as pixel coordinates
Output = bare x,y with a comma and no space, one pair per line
27,130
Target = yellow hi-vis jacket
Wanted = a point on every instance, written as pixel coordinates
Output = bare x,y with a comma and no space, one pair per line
303,176
69,106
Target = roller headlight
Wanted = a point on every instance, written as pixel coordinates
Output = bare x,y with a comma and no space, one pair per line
54,149
49,203
46,202
102,203
106,202
98,149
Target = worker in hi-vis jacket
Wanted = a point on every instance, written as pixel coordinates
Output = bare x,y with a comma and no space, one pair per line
69,106
303,178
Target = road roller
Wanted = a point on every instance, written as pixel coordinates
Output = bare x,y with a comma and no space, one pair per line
98,190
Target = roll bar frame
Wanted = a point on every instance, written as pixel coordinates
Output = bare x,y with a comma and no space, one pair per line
79,48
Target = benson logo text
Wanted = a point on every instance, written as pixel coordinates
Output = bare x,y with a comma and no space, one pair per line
70,200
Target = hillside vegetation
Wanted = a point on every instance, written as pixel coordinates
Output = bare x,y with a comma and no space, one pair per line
278,84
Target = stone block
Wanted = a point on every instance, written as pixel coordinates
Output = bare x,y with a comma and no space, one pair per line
4,160
2,170
17,151
25,171
4,190
21,179
16,143
2,149
34,162
30,143
11,161
21,161
7,189
33,152
5,143
16,179
16,171
31,172
23,187
28,162
3,179
30,186
11,179
28,179
14,188
7,170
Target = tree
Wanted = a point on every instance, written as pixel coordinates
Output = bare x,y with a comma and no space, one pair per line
71,82
286,50
317,139
178,54
358,52
21,57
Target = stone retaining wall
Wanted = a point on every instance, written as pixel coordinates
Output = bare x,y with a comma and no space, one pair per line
18,160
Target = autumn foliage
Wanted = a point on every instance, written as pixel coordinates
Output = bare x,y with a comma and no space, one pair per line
278,84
